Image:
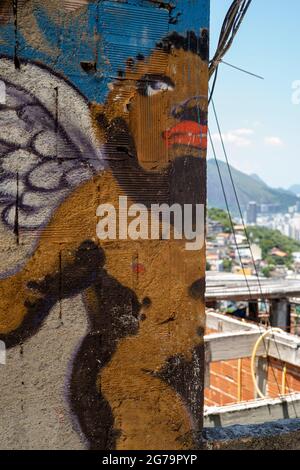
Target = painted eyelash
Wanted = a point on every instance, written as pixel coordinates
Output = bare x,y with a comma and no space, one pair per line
149,81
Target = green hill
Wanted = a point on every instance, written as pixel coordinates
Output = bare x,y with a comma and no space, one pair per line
249,188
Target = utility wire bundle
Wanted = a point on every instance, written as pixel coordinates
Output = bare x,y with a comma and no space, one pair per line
230,27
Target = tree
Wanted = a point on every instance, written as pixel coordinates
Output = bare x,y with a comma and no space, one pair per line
269,239
227,265
218,215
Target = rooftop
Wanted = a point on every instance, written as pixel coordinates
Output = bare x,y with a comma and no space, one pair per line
227,286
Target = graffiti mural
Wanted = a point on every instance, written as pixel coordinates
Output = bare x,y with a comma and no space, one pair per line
104,101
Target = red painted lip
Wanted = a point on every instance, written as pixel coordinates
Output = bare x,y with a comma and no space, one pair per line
187,133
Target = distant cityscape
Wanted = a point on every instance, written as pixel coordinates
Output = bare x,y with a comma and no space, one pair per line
270,246
273,246
267,215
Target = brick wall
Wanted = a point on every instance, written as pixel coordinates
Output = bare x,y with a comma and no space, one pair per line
275,377
224,378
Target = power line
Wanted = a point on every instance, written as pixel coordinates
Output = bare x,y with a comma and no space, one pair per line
230,27
228,210
235,240
244,226
213,86
236,195
234,67
242,70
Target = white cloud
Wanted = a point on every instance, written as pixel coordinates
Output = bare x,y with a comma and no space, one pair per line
237,137
273,141
244,131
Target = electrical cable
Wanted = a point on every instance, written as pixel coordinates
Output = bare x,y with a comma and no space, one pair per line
230,27
242,70
253,357
213,86
228,210
235,240
237,199
244,227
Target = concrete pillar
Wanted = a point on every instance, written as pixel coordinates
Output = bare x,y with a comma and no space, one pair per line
102,317
280,314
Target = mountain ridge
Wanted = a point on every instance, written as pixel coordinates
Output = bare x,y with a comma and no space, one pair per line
248,187
295,189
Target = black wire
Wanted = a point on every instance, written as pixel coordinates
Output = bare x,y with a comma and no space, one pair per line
246,234
228,210
237,198
230,27
235,240
242,70
213,85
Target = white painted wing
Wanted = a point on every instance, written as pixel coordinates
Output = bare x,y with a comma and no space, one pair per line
47,146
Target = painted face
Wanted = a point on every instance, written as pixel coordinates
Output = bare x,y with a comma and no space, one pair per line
156,110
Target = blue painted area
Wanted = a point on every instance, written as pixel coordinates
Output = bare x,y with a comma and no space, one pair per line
107,33
127,32
189,15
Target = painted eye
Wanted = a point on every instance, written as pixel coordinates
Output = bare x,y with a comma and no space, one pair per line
156,87
150,85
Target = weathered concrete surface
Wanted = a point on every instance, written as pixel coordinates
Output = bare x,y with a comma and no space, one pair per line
277,435
34,409
253,412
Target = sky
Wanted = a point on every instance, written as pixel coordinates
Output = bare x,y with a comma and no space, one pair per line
260,119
